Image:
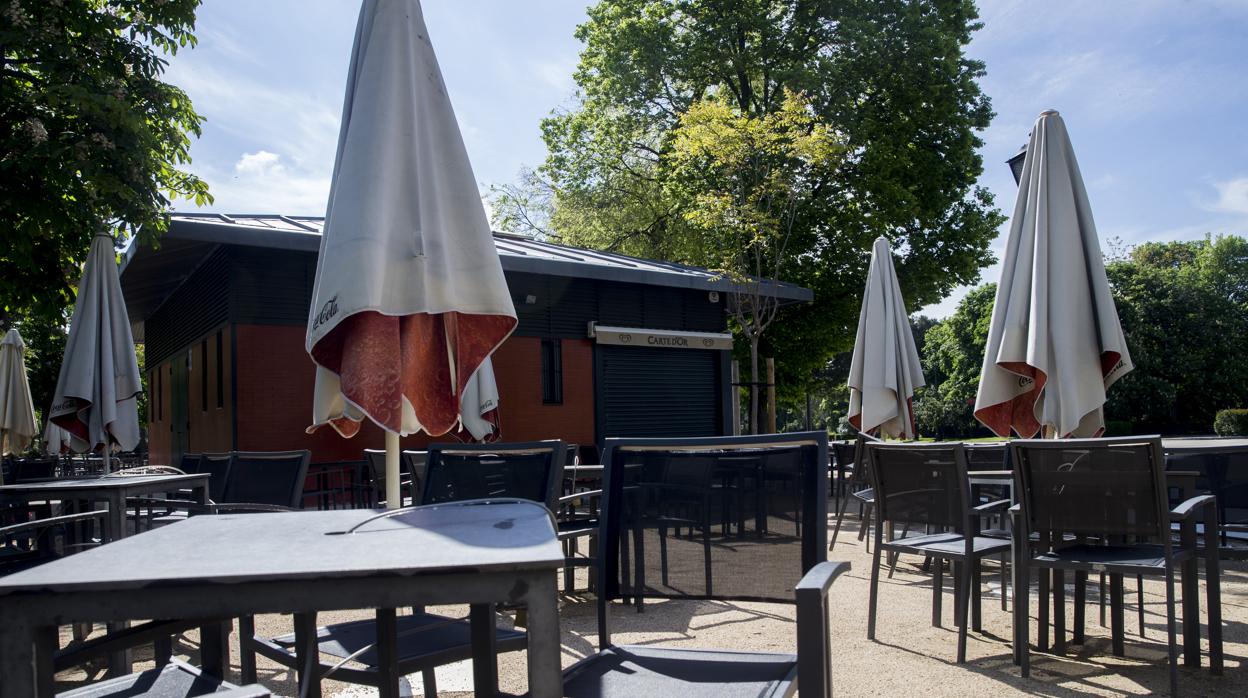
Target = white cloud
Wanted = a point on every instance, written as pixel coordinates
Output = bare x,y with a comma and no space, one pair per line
1232,196
261,162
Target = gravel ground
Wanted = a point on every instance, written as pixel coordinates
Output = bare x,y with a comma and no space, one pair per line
908,656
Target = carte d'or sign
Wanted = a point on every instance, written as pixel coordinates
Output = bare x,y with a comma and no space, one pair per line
659,339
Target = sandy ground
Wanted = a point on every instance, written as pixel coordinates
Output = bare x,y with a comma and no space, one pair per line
908,657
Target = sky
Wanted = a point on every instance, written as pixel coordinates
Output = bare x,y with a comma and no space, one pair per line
1154,94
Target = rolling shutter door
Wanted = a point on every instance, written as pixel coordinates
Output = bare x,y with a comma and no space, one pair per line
659,392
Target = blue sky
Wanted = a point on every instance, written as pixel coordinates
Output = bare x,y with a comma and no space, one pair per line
1154,94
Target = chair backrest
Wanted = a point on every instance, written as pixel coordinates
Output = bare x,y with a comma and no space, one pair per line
1106,488
844,452
267,478
1221,470
413,464
920,483
755,509
217,465
992,456
530,470
573,456
190,462
28,469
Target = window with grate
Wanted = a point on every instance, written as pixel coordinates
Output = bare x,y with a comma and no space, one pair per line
552,372
203,375
220,373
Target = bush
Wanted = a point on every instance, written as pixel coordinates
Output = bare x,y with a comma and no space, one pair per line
1119,428
1231,423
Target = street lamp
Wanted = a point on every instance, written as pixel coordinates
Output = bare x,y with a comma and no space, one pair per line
1016,164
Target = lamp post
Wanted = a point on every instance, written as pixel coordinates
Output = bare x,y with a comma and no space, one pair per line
1016,164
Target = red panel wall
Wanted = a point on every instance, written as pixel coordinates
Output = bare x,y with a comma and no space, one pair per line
275,381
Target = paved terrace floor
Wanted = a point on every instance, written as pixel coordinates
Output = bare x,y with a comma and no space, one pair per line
908,657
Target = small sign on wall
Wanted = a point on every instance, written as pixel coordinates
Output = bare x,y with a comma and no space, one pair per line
670,339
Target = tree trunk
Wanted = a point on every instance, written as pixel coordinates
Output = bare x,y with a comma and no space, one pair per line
754,382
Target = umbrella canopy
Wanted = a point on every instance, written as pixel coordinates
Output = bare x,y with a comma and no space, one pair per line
55,439
410,297
95,393
885,370
1055,344
17,410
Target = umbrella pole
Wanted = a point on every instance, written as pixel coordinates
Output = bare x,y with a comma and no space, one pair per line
393,499
107,470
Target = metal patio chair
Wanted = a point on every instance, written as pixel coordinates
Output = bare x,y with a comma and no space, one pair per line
424,641
634,503
926,484
1111,495
857,486
412,468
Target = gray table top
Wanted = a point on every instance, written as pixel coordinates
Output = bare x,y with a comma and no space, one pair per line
1203,444
307,545
105,482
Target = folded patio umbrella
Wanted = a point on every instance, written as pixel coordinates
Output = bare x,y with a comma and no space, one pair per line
95,393
17,410
885,370
410,297
55,439
1055,344
478,407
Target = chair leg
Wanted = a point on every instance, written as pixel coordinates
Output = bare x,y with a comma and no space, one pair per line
957,593
1139,598
662,554
875,590
1191,614
706,555
938,591
1213,596
1101,598
1022,613
1081,598
977,613
964,600
840,516
1170,631
1005,582
1059,612
1042,617
1115,615
430,681
866,516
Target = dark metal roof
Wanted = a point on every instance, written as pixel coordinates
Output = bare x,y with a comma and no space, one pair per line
150,275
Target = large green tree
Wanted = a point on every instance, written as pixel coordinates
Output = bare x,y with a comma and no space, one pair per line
889,77
1184,312
91,138
953,355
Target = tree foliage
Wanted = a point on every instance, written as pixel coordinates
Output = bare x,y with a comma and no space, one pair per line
1184,312
953,353
91,139
887,77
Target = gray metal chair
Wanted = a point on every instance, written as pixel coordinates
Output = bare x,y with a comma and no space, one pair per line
635,497
926,484
1111,495
856,485
423,641
173,680
411,477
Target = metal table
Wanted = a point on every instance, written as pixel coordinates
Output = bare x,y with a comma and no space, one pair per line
219,567
111,489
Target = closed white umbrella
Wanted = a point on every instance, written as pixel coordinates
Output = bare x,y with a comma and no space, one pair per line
1055,344
478,408
17,410
885,370
95,393
55,439
410,297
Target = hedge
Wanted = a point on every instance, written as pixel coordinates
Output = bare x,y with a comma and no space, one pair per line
1231,423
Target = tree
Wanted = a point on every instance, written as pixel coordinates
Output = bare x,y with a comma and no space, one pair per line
1184,312
91,141
745,180
953,355
888,77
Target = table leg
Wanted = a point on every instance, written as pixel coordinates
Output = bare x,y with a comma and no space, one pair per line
47,639
484,650
17,660
1081,599
545,680
307,655
387,653
119,661
214,647
1116,620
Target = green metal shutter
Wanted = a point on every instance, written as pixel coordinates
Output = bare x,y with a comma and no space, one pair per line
658,392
